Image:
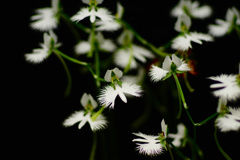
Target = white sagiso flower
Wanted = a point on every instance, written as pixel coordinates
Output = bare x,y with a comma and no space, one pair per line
105,45
46,19
181,133
227,87
230,121
157,74
149,144
183,42
223,27
92,12
123,55
111,25
192,9
42,53
109,93
83,117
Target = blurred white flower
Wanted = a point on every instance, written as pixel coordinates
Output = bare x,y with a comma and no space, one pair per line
223,27
181,133
227,87
109,93
101,13
149,144
105,45
135,53
183,22
192,9
42,53
46,19
83,117
183,42
230,121
157,74
111,25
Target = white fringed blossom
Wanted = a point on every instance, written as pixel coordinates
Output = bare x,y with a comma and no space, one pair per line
109,93
105,45
223,27
183,42
101,13
192,9
42,53
111,25
46,19
83,117
230,121
226,87
149,144
157,74
123,56
177,138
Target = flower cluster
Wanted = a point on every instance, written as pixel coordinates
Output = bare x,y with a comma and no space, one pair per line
132,59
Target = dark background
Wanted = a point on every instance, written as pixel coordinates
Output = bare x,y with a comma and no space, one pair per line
36,107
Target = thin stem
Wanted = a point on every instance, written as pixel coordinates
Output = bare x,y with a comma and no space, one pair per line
206,120
95,115
187,83
170,151
70,58
143,41
180,90
177,150
219,146
69,86
94,147
126,69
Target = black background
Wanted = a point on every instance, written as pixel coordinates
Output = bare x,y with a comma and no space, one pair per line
35,105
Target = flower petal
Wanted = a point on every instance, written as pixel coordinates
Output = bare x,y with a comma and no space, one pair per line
157,74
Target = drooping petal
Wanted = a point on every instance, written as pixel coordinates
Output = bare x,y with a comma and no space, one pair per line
157,74
82,47
80,15
74,118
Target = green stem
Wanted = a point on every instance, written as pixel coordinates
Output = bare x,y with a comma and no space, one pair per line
94,147
180,154
206,120
170,151
95,115
70,58
69,86
219,146
126,69
143,41
187,83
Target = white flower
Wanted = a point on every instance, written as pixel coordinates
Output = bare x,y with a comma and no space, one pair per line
108,94
157,74
227,88
79,116
178,136
122,56
46,19
113,73
223,27
149,144
111,25
83,117
182,20
106,45
183,42
192,9
42,53
230,121
101,13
